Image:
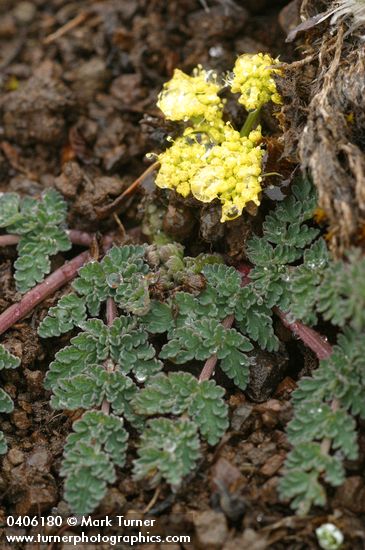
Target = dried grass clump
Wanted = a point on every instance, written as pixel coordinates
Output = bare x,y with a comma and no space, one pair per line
324,117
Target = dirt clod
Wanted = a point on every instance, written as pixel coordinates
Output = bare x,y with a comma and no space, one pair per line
211,530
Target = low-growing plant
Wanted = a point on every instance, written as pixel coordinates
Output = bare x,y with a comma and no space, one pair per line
142,311
108,365
7,361
41,226
112,369
323,430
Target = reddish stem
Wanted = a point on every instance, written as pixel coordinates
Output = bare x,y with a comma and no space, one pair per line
211,363
81,238
310,337
39,293
9,240
111,314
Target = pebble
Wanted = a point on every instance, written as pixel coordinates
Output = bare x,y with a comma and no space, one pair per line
25,12
211,530
351,495
273,464
240,415
21,420
15,456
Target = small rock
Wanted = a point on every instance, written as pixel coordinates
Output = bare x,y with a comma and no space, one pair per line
220,21
240,415
113,502
39,496
40,459
250,540
35,381
211,530
88,78
266,373
289,17
25,12
15,456
21,420
273,464
351,495
35,112
127,88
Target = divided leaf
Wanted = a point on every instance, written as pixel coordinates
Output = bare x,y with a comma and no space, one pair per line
180,393
97,445
40,224
168,449
67,314
7,361
304,467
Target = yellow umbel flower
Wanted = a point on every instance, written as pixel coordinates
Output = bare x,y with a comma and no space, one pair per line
253,80
228,169
232,173
187,97
179,163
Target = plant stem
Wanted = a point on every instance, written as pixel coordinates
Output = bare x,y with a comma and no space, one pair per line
327,442
311,338
9,240
211,363
81,238
111,314
105,211
40,292
250,122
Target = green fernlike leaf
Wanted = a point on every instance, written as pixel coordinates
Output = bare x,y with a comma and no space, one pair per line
3,444
255,319
92,286
304,467
40,226
125,271
88,390
124,343
180,393
7,361
168,449
67,314
339,379
342,292
316,421
9,209
97,446
283,243
159,318
6,402
121,275
223,286
206,338
305,280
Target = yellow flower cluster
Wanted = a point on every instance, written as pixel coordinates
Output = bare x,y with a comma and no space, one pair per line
229,171
253,80
212,160
179,163
187,97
